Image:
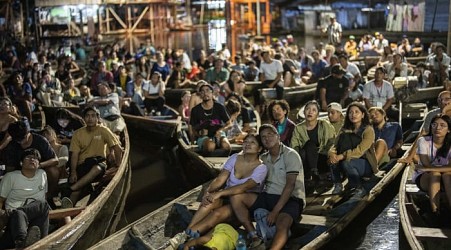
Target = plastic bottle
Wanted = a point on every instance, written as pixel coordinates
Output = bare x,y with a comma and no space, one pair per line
241,243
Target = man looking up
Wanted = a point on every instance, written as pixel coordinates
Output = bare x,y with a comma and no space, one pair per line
208,121
284,192
23,194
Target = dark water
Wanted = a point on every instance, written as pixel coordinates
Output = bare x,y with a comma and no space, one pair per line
153,183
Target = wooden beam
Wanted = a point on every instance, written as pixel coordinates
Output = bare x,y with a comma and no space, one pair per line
64,212
315,220
139,18
432,233
117,18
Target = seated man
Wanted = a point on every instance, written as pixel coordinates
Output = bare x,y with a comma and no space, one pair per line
388,135
23,139
108,105
23,194
208,122
89,147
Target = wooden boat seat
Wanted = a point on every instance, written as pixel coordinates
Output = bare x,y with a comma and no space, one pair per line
432,233
64,212
316,220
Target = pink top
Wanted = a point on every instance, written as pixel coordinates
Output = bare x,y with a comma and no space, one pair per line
258,175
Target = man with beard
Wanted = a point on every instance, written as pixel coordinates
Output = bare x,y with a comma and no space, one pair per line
388,135
334,88
208,121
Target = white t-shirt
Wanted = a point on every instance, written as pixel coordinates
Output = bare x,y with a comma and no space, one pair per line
353,69
378,96
270,70
17,188
150,88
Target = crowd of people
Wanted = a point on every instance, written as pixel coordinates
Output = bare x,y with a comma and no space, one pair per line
277,167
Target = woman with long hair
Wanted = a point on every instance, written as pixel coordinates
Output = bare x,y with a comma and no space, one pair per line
243,174
435,155
353,150
61,151
235,83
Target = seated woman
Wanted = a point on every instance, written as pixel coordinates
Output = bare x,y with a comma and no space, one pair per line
66,124
396,68
278,111
235,133
245,113
357,159
154,93
184,109
62,153
235,83
312,139
244,174
434,152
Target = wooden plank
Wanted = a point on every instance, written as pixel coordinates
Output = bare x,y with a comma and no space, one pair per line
413,189
64,212
431,233
315,220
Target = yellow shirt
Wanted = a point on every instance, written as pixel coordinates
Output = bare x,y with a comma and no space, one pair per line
224,237
92,143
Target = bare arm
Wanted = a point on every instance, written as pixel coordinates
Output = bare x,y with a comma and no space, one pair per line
49,163
388,103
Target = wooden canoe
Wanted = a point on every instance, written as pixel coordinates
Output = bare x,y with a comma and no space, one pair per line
293,95
413,207
324,217
100,217
160,128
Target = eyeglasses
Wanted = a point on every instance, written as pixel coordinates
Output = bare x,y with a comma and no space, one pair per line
439,125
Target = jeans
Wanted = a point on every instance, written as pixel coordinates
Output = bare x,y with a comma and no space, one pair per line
35,213
355,169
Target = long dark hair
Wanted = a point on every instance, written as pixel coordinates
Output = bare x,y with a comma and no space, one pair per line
365,121
443,151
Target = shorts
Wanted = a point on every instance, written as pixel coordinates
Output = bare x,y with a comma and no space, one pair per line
84,168
200,140
116,126
293,207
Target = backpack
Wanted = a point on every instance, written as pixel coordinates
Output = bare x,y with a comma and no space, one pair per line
349,140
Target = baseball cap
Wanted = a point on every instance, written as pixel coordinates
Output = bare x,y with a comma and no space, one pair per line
335,106
337,69
351,37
